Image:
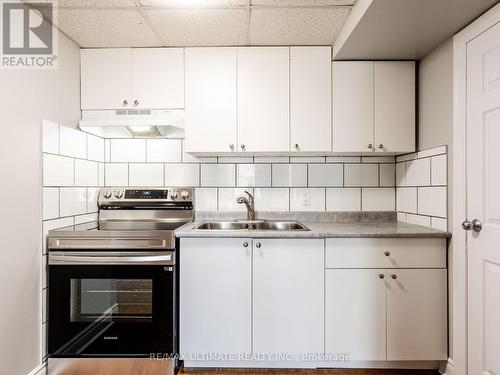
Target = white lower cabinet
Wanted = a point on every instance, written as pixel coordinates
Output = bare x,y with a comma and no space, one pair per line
288,295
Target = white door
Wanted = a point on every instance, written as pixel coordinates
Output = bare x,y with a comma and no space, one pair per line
158,78
352,106
483,185
263,99
417,315
215,295
210,114
356,313
394,86
310,99
106,78
288,296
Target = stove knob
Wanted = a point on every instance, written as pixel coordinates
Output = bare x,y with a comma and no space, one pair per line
174,195
185,195
119,194
107,194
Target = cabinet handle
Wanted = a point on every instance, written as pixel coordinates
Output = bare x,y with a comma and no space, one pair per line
370,146
381,275
296,146
387,253
242,147
245,244
125,102
258,245
136,102
381,146
394,276
231,146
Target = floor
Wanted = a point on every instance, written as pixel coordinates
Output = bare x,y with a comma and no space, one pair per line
305,372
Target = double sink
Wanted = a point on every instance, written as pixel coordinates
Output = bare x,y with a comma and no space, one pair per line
252,225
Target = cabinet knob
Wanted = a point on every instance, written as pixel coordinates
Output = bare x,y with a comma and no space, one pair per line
125,102
370,146
296,146
231,146
394,276
387,253
381,146
245,244
242,147
258,245
136,102
381,275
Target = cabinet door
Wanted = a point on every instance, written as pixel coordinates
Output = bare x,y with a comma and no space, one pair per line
210,99
395,106
215,295
356,313
158,78
310,99
288,307
416,315
263,99
352,106
105,78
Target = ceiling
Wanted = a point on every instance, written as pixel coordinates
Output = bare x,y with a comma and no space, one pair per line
148,23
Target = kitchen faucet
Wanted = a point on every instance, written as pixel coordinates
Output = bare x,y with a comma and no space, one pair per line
249,203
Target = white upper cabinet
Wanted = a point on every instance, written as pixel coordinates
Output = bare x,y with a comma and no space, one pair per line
310,99
158,78
105,78
263,99
210,115
352,106
132,78
394,106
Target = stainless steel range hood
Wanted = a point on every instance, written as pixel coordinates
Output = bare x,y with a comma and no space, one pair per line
134,123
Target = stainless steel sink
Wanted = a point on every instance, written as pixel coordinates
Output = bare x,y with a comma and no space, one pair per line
260,225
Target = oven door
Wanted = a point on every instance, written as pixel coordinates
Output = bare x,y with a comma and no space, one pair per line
111,304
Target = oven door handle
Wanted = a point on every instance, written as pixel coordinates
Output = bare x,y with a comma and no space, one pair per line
164,258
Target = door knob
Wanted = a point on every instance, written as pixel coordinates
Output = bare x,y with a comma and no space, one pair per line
474,225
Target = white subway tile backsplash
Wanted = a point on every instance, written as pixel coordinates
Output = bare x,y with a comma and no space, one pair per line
92,195
73,201
307,159
235,159
343,199
50,203
87,218
143,174
218,175
48,225
95,148
361,175
406,199
432,201
182,174
228,196
418,172
164,150
128,150
271,159
254,175
50,137
378,199
116,174
402,217
268,199
326,175
289,175
343,159
424,221
58,170
387,175
378,159
72,142
439,170
101,174
400,174
86,173
107,150
307,199
205,199
439,223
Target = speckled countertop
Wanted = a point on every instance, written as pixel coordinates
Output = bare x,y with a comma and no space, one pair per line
362,227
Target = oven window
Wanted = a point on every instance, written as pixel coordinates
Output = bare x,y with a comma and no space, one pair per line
121,300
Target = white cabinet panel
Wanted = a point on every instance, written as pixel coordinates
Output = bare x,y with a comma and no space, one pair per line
394,106
310,99
288,296
158,78
356,313
263,99
105,78
210,99
416,315
215,295
352,106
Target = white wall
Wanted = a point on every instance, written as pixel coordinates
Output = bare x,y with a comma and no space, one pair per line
26,97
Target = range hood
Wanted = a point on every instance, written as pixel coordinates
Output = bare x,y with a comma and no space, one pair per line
134,123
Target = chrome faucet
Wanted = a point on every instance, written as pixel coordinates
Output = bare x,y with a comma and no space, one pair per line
249,203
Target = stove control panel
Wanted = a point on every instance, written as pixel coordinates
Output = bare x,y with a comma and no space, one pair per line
163,194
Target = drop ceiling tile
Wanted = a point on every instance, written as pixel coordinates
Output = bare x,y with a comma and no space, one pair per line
285,3
296,26
200,27
192,3
107,28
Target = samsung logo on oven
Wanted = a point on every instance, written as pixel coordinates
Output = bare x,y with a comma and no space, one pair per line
110,337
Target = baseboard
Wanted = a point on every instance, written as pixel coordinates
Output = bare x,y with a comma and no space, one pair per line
40,370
